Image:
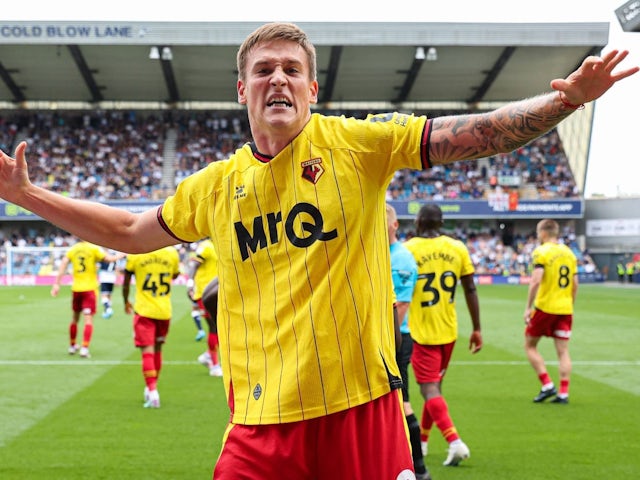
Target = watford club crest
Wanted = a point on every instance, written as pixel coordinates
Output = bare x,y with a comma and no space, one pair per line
312,170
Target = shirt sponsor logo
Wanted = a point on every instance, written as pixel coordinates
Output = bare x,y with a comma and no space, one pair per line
303,226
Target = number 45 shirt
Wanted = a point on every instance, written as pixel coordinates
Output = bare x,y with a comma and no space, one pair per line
441,262
154,272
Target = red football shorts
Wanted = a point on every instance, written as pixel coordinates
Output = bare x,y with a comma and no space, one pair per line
364,442
544,324
84,302
430,362
149,331
204,311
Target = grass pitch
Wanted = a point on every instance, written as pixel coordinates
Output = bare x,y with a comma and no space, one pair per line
67,418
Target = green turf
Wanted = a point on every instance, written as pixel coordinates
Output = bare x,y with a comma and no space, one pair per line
66,418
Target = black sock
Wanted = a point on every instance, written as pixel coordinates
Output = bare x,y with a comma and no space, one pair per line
414,436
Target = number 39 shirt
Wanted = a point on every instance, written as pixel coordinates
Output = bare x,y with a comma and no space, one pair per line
441,262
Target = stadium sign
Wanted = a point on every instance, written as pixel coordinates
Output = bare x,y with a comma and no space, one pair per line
9,211
452,209
463,209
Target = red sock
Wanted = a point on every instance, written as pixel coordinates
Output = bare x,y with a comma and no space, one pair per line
545,379
149,370
86,336
157,361
564,387
73,332
439,411
426,423
212,342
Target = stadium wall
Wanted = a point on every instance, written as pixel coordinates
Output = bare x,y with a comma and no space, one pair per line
611,228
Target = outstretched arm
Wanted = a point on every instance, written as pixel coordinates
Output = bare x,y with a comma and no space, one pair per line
465,137
97,223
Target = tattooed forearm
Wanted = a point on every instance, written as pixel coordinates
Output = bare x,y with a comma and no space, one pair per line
480,135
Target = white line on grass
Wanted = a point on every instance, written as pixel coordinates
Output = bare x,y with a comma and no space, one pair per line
95,363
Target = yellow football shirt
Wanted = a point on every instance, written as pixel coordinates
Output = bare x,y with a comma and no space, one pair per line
305,305
441,262
206,255
154,273
84,258
555,294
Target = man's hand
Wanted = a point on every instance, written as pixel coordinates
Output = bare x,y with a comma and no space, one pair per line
475,341
593,78
14,176
527,316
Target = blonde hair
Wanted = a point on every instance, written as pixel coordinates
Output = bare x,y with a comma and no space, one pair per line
550,227
391,214
276,31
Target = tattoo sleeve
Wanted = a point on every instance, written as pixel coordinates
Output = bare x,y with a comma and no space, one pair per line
465,137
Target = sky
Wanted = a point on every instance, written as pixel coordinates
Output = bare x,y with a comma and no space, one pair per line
614,157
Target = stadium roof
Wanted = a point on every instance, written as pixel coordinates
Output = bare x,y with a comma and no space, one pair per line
360,65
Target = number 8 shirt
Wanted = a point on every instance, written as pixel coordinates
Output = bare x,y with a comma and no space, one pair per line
555,294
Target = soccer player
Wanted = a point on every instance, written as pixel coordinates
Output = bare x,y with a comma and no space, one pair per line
84,258
297,219
549,309
154,273
107,276
196,310
442,263
404,273
202,268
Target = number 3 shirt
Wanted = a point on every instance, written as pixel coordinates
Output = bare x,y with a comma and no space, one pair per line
441,262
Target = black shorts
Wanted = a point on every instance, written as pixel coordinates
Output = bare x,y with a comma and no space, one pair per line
403,358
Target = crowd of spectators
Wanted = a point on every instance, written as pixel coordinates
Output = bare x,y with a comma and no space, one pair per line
119,155
496,253
203,138
102,155
541,165
45,261
490,253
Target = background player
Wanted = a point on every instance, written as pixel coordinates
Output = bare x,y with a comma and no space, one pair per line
196,310
433,323
107,276
549,309
202,268
154,273
84,258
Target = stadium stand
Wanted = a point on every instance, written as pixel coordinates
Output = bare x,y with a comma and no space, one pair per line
119,155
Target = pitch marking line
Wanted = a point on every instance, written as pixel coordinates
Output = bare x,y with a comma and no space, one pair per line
96,363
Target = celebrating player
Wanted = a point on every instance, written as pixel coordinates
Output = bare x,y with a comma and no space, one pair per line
297,219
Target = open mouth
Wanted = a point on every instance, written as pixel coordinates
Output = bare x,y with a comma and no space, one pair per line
279,102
